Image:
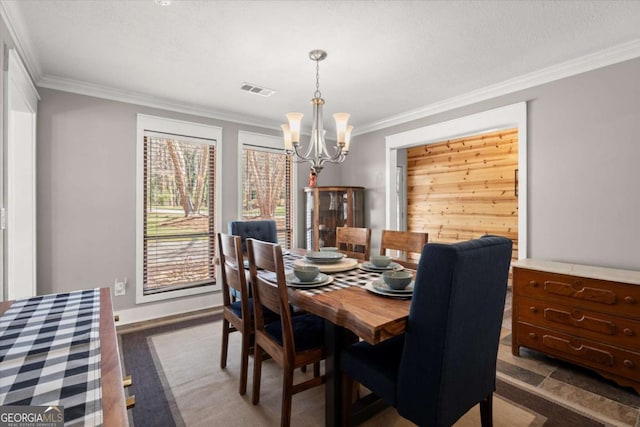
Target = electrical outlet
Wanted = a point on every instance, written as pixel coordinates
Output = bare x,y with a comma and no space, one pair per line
120,288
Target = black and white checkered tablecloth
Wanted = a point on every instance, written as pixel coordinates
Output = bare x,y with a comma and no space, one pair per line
355,277
50,355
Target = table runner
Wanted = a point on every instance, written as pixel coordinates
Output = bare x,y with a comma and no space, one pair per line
50,355
345,279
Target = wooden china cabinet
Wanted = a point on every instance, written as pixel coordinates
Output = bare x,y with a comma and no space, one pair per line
327,208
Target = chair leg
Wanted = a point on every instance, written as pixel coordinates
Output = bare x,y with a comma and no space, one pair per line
347,399
244,364
225,343
316,369
287,397
486,411
257,372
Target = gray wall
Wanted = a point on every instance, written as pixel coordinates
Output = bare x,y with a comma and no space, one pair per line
86,165
583,159
583,176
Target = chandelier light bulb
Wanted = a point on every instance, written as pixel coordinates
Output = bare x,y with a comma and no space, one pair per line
341,126
295,120
347,139
287,137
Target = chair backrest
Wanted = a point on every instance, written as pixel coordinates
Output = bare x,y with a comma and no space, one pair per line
265,260
354,242
410,242
449,357
264,230
233,274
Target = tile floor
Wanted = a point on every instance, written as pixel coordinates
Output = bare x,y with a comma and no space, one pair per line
572,385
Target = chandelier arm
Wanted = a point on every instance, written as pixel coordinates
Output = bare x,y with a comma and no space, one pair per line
305,157
307,154
336,157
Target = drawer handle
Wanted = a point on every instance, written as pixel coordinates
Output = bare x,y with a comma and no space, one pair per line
533,283
576,348
577,291
628,332
630,300
578,320
628,363
533,335
533,309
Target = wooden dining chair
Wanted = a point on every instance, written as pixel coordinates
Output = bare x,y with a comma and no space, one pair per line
408,242
236,303
292,341
354,242
445,363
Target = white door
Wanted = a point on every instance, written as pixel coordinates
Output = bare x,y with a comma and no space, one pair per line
20,232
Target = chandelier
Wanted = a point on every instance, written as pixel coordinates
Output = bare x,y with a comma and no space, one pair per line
317,152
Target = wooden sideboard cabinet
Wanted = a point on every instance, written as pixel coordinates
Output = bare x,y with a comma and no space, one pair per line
586,315
327,208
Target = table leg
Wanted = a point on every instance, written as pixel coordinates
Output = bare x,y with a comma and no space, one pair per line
334,337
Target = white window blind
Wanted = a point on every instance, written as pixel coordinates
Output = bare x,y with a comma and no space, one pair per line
179,212
267,188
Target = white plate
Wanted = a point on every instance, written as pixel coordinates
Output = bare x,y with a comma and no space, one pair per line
371,288
320,278
343,265
380,285
293,282
301,285
324,257
367,266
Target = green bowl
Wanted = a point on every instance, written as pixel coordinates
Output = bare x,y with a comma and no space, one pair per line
380,261
397,280
306,273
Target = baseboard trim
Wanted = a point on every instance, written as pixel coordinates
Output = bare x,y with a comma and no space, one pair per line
155,312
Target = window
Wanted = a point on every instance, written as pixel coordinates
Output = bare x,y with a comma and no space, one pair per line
267,183
177,208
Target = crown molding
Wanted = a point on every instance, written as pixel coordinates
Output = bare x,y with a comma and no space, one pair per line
129,97
24,52
603,58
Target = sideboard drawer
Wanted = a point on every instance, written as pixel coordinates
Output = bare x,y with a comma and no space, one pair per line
615,298
585,352
601,327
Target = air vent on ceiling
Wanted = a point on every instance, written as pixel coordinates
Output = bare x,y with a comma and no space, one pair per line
257,90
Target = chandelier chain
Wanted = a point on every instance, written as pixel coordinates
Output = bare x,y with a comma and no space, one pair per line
317,93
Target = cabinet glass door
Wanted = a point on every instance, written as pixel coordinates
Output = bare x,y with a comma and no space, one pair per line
357,204
309,220
331,214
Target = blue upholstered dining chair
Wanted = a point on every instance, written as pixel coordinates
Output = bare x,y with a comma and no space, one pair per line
445,363
264,230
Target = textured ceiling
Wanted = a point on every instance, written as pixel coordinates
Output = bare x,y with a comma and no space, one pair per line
385,58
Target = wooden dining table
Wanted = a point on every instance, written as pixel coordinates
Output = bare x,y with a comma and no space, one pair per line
349,312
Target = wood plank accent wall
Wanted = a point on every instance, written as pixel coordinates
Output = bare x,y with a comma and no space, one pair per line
464,188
